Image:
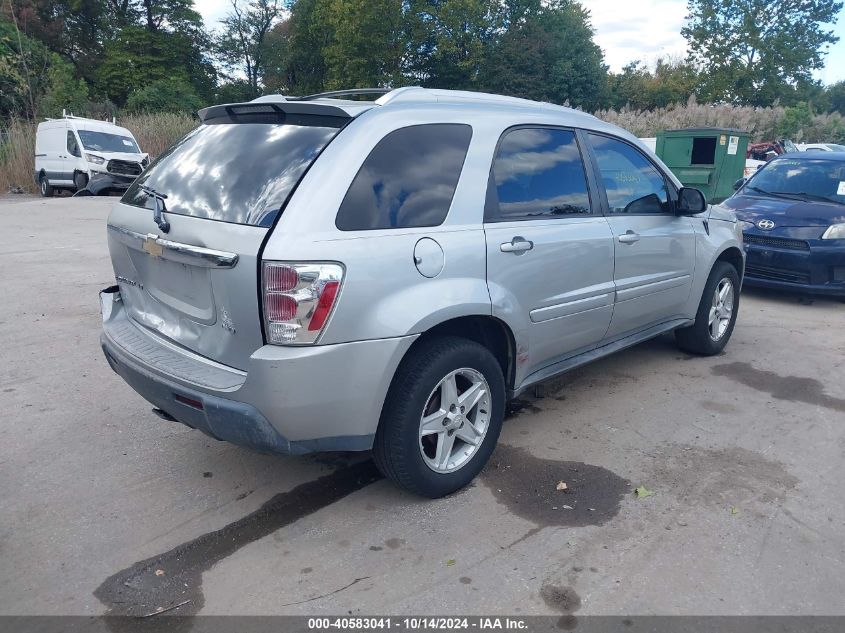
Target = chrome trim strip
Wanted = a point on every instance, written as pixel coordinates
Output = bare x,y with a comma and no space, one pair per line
636,292
571,308
176,251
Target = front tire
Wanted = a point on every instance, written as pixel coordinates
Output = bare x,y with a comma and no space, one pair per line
442,416
45,187
80,180
716,316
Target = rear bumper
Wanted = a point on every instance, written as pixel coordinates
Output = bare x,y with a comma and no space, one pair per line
291,400
818,270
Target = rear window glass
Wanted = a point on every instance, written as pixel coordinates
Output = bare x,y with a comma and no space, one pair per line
408,180
233,172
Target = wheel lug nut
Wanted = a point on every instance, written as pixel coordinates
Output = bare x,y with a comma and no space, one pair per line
445,422
451,432
463,409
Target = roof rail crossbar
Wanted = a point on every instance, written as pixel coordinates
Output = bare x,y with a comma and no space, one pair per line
342,93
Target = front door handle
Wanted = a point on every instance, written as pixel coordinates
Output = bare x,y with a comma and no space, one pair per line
517,245
629,237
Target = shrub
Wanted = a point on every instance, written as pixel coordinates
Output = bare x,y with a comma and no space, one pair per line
174,94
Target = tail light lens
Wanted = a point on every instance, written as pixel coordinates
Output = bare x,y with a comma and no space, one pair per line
298,300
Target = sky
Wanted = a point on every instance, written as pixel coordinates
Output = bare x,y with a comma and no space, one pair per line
628,30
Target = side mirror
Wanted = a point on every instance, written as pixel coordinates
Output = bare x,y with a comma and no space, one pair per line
738,184
691,201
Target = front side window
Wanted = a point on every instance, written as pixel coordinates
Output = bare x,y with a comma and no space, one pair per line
408,180
72,145
537,173
105,142
234,172
633,185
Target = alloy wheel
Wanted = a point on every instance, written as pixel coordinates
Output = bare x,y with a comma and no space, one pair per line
721,310
455,420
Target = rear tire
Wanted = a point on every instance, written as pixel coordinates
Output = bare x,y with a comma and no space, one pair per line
442,416
716,316
45,187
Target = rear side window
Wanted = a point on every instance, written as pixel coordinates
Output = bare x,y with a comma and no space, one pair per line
537,173
234,172
408,180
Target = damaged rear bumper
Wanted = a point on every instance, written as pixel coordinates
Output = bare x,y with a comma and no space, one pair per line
291,400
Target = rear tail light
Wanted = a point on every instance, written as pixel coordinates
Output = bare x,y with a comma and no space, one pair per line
298,300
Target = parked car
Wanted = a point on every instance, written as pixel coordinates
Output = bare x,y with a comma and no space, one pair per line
318,274
85,154
821,147
793,218
758,154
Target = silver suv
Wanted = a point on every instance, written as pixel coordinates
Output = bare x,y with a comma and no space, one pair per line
325,274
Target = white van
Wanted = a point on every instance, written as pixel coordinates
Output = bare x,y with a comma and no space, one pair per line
84,154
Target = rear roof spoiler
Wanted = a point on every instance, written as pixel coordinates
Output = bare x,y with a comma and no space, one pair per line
276,104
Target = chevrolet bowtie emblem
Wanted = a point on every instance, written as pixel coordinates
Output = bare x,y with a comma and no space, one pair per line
151,245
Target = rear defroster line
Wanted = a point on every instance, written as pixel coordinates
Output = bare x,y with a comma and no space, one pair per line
173,581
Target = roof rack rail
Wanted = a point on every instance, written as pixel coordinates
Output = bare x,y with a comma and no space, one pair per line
342,93
67,115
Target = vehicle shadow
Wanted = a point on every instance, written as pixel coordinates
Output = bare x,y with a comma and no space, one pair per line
786,297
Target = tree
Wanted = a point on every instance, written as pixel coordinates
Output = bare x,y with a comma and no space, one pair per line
242,44
173,94
64,91
794,120
547,53
366,45
448,39
24,63
754,52
835,94
74,29
669,81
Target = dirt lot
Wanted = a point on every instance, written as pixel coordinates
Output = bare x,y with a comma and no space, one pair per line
745,454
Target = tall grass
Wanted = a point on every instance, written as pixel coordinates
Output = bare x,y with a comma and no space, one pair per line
17,156
760,123
155,132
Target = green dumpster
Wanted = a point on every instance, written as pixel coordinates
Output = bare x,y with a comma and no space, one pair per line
709,159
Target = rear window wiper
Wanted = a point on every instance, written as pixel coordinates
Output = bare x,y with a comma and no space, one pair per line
808,196
159,198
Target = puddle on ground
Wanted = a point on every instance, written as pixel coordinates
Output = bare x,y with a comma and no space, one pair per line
527,486
791,388
719,478
563,600
172,581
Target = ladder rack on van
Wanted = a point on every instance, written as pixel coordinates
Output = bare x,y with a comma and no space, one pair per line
65,115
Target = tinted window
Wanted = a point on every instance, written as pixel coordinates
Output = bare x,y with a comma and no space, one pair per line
632,183
408,179
234,172
72,145
537,172
104,142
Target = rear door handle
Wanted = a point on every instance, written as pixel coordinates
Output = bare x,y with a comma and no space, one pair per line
629,237
517,245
